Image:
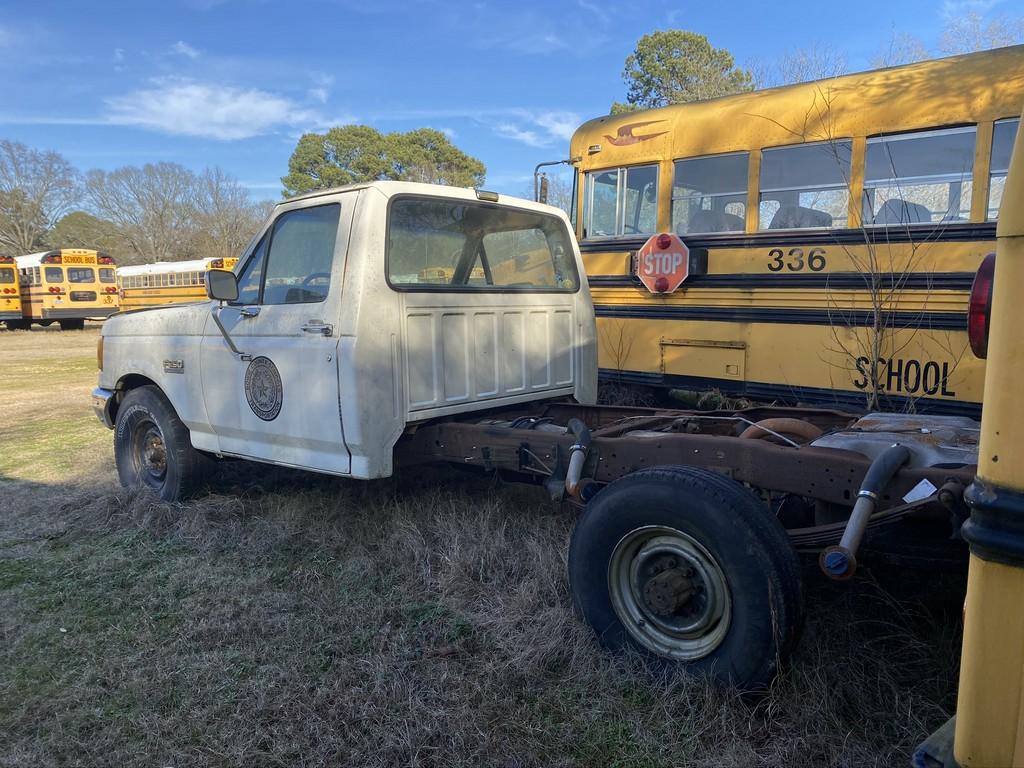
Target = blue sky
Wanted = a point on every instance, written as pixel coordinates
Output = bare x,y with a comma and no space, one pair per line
235,82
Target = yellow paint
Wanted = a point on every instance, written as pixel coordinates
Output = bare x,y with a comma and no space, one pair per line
154,285
990,712
975,88
39,303
989,86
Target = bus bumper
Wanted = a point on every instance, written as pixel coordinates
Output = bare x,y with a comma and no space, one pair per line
75,313
10,316
102,399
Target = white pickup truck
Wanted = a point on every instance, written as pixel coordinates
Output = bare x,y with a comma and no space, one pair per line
380,326
358,312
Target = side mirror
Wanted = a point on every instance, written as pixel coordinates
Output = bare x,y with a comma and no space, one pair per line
221,285
543,196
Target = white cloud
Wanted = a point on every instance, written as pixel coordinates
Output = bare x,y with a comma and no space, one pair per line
321,87
561,125
213,111
523,135
956,8
184,49
539,129
118,55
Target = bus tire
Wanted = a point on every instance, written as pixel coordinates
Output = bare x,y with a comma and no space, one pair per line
17,325
152,447
689,568
75,324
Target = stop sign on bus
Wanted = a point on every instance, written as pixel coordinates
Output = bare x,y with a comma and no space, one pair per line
663,263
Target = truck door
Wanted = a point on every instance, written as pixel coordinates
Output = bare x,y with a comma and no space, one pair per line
279,399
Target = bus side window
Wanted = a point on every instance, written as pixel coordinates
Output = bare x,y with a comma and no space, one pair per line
805,186
1003,134
709,194
919,178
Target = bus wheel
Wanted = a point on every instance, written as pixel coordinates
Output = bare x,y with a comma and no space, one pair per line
17,325
152,448
689,568
72,325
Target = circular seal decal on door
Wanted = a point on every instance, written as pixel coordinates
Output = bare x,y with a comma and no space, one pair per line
263,388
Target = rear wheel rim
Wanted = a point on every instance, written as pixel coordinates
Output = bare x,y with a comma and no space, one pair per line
669,592
149,454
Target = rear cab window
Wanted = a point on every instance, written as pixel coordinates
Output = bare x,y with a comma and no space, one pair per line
455,245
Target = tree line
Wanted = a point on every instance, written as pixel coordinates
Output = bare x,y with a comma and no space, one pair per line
156,212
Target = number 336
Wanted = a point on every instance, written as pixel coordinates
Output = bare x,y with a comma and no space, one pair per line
815,260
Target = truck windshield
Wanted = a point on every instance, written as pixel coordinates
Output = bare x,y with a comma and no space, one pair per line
436,244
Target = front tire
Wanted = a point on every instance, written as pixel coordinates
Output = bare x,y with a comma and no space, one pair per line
689,568
152,448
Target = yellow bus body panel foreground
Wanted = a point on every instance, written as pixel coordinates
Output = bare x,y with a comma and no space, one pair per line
812,211
990,707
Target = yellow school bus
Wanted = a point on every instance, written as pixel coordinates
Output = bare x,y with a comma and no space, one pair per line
168,282
10,292
833,231
67,286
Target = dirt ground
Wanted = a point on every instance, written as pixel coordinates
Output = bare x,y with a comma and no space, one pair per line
287,619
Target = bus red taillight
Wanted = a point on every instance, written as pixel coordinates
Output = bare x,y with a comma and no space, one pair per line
979,309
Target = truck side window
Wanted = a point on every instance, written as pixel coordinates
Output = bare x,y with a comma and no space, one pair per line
301,254
252,275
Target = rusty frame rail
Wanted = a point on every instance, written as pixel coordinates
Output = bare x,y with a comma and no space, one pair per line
826,474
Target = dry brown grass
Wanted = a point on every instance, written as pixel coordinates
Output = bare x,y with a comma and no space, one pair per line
288,619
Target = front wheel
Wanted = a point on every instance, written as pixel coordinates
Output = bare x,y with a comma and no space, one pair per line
152,448
689,568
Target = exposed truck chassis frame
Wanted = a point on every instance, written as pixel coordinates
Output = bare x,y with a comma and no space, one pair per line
508,441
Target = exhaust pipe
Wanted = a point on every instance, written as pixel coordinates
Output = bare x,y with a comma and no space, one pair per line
840,562
577,456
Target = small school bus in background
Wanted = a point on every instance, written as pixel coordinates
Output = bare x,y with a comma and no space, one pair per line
834,230
67,286
10,292
171,282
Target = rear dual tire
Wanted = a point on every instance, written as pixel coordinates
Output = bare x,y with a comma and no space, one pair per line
152,447
688,568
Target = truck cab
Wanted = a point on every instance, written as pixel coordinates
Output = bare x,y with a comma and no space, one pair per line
355,314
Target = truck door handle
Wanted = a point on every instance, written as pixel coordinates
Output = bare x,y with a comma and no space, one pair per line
324,329
249,311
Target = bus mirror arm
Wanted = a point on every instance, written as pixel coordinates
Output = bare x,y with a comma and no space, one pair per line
227,337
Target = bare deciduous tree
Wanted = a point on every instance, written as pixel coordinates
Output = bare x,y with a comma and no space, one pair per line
815,61
152,206
960,34
36,189
973,32
224,219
